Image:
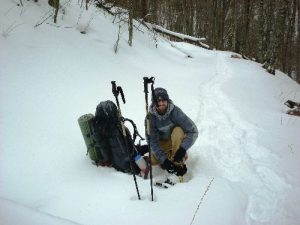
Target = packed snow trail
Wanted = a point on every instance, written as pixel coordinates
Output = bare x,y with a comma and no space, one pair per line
228,145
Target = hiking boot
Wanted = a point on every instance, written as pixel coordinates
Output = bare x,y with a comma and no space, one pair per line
177,179
181,169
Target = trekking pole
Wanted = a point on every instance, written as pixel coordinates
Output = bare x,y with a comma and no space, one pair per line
147,127
116,91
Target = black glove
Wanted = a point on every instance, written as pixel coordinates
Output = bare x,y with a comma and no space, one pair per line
169,166
179,155
180,170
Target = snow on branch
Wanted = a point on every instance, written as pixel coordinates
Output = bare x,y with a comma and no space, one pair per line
175,34
184,37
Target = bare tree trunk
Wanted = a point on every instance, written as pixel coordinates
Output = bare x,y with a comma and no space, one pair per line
234,32
219,24
214,23
87,4
247,25
130,22
154,11
298,44
187,9
262,31
280,33
288,51
222,23
144,10
56,6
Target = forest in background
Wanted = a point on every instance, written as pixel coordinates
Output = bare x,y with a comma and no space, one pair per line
266,31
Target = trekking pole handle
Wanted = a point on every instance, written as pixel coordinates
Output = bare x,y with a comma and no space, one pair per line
120,90
145,84
151,80
116,90
148,81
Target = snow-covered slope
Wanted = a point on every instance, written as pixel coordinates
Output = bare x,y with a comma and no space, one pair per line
17,214
52,74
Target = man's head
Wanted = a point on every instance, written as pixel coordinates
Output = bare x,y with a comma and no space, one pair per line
160,100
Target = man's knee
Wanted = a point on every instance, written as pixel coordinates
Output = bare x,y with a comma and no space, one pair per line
177,133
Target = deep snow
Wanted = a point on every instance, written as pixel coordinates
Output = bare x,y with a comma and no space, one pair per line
52,74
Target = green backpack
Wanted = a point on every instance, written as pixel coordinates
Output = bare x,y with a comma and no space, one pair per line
104,140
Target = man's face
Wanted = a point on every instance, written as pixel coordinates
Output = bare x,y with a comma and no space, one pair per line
162,106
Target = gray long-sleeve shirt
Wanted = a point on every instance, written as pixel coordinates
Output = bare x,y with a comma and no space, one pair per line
161,127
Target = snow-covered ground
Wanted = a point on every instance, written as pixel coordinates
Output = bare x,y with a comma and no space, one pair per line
50,75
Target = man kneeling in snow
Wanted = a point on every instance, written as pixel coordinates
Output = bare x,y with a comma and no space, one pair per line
172,133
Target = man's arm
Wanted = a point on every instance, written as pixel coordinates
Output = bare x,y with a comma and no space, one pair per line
188,126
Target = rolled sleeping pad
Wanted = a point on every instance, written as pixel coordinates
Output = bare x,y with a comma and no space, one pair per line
85,123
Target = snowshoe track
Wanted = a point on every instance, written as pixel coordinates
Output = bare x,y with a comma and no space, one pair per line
229,148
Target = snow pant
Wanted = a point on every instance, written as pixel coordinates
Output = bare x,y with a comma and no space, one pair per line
170,146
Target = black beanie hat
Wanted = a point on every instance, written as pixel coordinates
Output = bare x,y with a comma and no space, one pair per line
160,94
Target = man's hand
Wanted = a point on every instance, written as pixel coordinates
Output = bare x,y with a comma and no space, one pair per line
169,166
180,170
179,155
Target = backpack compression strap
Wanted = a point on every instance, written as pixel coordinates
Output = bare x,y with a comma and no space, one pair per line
135,131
